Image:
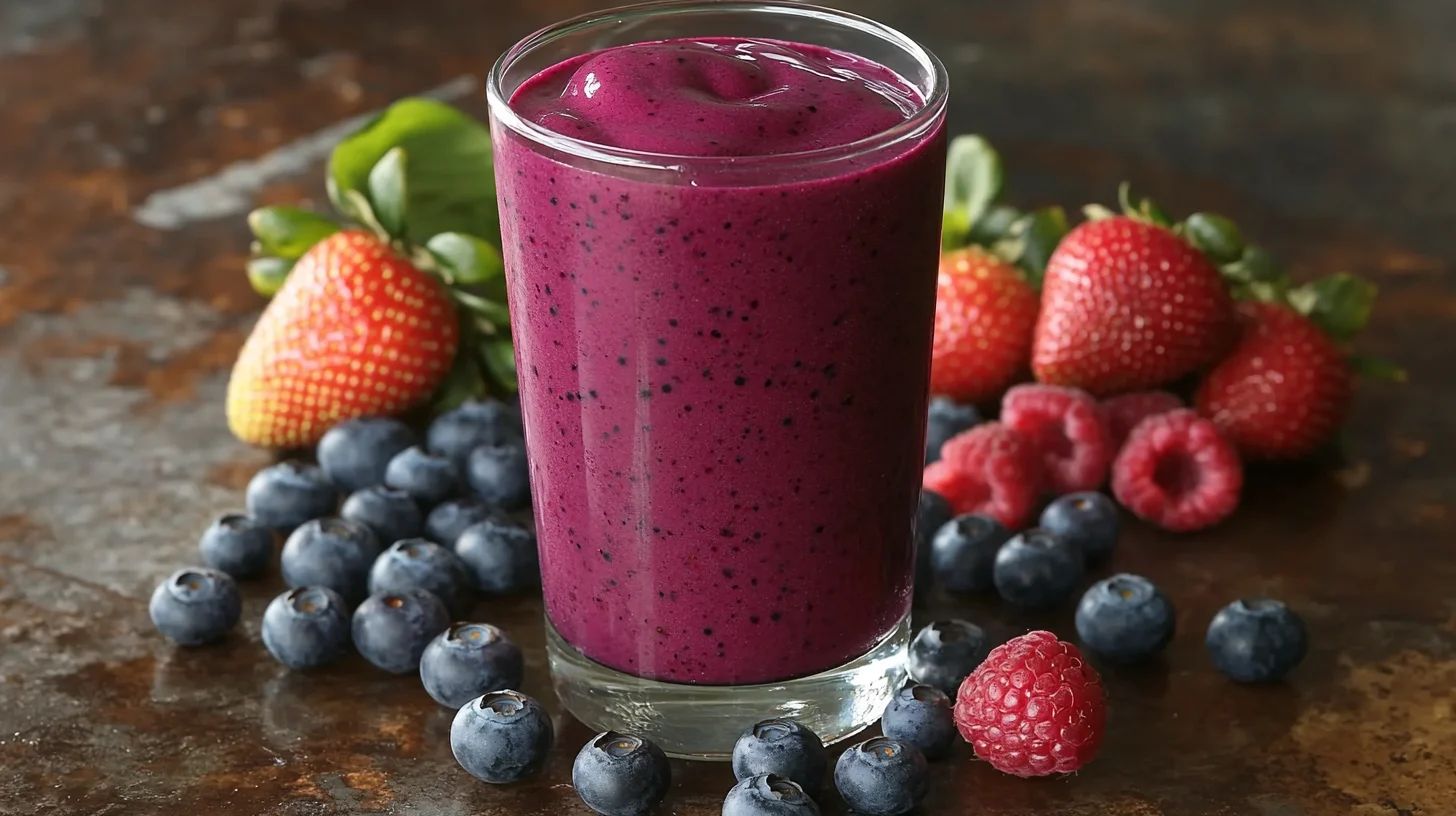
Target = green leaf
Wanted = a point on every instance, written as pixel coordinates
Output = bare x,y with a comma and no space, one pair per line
1376,369
994,225
464,382
1040,233
451,180
973,178
1097,212
1339,304
495,313
288,232
468,259
1215,236
1259,267
1143,210
268,274
500,361
954,231
387,191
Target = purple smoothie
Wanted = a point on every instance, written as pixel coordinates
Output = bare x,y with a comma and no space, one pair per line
723,385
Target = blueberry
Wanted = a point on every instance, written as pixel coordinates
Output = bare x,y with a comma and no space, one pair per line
882,777
621,774
429,478
501,737
447,522
390,513
196,606
945,652
946,419
501,556
332,552
355,453
287,494
392,629
963,553
1256,640
768,795
782,747
306,627
457,432
921,716
934,511
238,545
1125,619
419,564
498,474
468,660
1088,520
1037,569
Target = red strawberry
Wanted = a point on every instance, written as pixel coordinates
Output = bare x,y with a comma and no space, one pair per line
984,314
1284,390
355,330
1128,305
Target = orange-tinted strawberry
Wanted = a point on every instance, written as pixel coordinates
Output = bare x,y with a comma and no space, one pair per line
1284,390
355,330
1128,305
984,314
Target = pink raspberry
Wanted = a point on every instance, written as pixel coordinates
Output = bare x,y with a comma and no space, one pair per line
989,469
1178,471
1068,432
1033,708
1123,413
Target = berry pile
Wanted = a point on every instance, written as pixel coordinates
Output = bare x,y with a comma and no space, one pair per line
1168,465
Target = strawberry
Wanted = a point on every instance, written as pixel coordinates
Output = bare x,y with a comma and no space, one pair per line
986,296
1284,390
355,330
1127,304
381,319
984,314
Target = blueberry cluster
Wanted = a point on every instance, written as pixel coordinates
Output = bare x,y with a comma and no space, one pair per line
1123,619
405,509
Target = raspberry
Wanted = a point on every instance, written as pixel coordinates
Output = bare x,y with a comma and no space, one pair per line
1123,413
1177,471
991,470
1068,432
1033,708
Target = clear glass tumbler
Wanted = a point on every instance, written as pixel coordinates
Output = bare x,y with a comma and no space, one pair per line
723,364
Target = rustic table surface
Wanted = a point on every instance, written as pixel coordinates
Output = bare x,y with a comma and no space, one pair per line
135,133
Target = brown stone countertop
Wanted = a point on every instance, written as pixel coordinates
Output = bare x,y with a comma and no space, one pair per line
135,133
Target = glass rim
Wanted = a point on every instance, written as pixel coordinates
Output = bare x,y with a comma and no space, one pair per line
923,120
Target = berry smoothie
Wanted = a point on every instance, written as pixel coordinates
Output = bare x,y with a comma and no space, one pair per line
723,382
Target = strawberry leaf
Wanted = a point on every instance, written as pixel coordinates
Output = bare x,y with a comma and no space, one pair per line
1215,236
496,316
288,232
387,192
267,274
1376,369
973,181
451,179
464,382
1143,210
500,362
467,259
1040,232
1339,304
994,225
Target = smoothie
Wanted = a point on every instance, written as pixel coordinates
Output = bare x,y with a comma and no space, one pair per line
723,382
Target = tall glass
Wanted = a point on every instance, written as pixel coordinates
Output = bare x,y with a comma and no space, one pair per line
723,367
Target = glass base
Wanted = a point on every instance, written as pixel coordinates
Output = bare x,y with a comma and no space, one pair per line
702,722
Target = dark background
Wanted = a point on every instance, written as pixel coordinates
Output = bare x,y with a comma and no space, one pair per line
134,134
